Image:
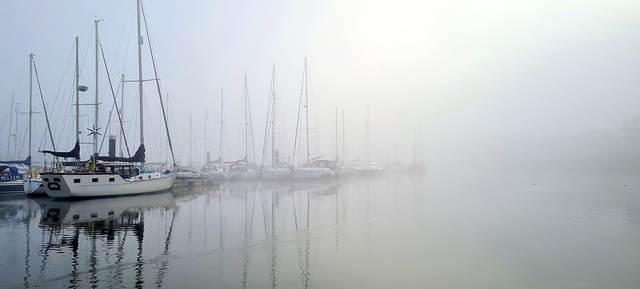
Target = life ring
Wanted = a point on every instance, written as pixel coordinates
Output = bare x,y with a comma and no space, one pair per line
90,166
34,174
60,167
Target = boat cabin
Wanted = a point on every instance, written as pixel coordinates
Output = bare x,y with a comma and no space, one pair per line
125,170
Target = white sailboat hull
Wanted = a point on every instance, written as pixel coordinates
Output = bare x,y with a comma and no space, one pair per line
312,173
231,175
59,185
276,174
32,185
215,175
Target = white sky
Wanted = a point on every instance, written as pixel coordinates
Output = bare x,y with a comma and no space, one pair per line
464,72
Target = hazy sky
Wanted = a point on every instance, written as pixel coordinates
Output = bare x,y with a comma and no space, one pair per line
463,72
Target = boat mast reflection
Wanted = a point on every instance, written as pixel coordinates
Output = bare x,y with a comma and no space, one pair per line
105,217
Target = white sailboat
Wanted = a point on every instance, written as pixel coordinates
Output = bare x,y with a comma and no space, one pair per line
368,167
32,181
114,175
215,170
279,169
243,169
312,169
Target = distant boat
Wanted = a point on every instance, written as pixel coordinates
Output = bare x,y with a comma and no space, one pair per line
243,169
32,182
11,179
187,175
106,175
278,169
418,165
215,169
310,169
212,171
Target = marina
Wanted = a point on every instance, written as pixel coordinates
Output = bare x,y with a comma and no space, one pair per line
319,144
391,231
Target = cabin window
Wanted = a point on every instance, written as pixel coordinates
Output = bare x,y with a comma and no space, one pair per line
46,179
94,180
94,215
111,213
77,181
112,179
57,179
76,216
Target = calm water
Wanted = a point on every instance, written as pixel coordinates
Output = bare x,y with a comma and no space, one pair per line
443,230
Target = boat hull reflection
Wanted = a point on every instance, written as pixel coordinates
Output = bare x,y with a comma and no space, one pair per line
58,212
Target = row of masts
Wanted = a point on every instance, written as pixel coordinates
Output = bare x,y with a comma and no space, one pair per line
95,130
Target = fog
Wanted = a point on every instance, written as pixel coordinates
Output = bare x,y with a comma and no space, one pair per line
499,84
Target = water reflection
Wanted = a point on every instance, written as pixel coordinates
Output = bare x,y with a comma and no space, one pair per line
237,234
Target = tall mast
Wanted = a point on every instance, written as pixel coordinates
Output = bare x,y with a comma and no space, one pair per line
166,153
206,111
246,121
140,42
15,135
274,157
190,138
221,122
77,94
306,102
10,124
95,126
336,133
30,102
345,151
367,136
122,115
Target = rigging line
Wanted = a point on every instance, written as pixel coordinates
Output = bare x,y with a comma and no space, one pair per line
46,115
253,144
22,144
266,127
155,71
61,84
151,130
106,128
295,140
115,102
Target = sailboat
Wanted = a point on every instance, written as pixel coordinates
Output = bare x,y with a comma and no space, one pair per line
11,179
243,169
418,166
313,168
368,167
215,169
32,181
278,169
107,175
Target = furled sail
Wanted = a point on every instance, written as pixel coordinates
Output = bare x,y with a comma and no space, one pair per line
138,157
74,153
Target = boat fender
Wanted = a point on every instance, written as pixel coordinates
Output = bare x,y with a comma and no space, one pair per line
34,174
60,167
